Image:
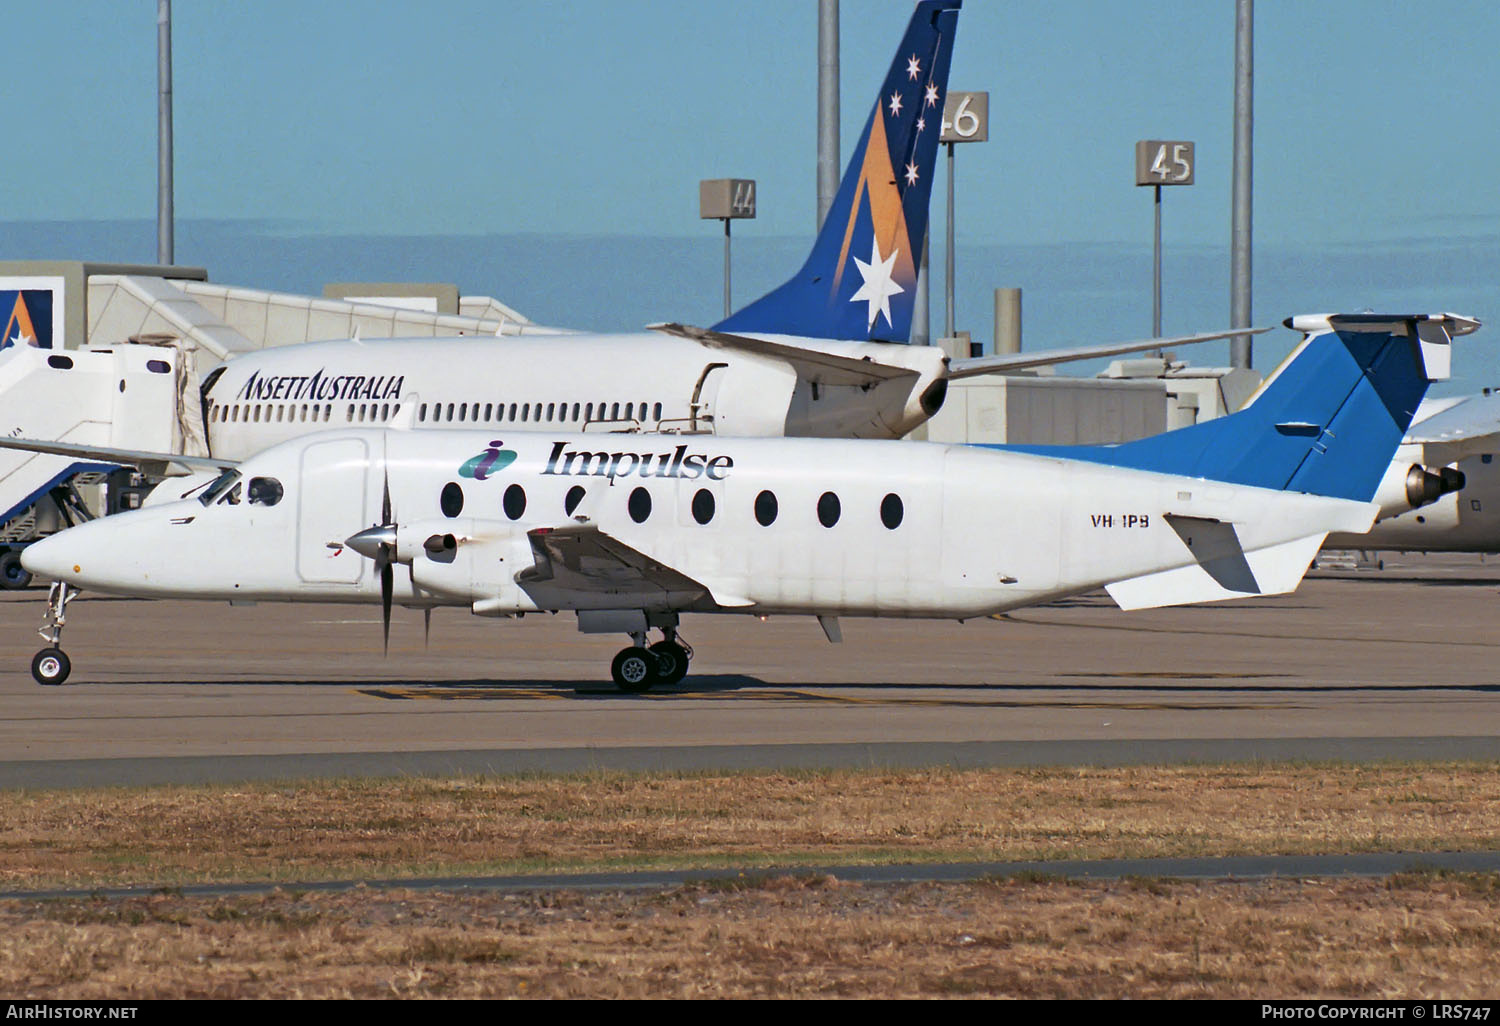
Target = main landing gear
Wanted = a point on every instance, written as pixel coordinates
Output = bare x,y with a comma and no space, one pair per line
639,667
50,665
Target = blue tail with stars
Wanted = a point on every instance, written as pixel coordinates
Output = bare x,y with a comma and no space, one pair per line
860,281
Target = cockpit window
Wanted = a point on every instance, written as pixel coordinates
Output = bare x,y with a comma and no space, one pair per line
221,484
231,497
264,491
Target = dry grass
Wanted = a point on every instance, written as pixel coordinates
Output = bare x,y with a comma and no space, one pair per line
402,828
1416,936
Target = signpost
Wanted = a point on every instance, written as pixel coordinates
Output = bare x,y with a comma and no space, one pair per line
726,199
966,118
1157,163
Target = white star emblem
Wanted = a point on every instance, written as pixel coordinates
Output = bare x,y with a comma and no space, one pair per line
931,95
911,174
878,288
921,124
895,104
22,340
913,67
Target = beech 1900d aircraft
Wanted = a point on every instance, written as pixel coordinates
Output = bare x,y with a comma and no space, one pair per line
631,531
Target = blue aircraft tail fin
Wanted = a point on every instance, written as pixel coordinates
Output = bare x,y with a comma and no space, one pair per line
1326,422
860,280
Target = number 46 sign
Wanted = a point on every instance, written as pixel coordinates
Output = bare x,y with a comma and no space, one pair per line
1163,162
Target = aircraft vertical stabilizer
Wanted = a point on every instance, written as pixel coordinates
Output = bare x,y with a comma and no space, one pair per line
860,281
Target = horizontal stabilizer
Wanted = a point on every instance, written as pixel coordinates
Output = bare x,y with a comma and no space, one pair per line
155,463
1223,571
824,368
1003,363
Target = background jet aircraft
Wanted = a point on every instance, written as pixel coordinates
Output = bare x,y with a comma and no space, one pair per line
631,531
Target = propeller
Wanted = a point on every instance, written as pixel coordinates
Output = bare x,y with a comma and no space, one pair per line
379,543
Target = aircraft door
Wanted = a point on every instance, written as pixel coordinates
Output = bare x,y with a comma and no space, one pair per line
331,507
705,397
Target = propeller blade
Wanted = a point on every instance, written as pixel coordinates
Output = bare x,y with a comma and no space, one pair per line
385,499
386,585
426,627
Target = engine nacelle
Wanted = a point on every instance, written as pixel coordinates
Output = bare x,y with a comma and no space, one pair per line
1406,487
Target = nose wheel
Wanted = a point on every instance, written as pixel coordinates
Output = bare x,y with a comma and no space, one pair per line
51,665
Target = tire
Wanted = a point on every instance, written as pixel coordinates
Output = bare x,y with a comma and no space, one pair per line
13,576
672,660
634,670
51,666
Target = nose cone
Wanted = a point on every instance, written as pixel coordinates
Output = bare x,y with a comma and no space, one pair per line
92,555
54,557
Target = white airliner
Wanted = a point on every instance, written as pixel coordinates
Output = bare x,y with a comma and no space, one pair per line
631,531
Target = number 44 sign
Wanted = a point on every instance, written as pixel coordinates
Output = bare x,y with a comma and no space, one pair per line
1163,162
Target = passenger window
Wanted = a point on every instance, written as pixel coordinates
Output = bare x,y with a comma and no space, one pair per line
588,412
828,509
766,508
264,491
575,411
656,412
891,511
452,499
703,506
514,501
422,412
630,411
551,407
572,499
639,505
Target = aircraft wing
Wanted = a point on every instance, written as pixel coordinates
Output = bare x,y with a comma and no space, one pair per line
825,368
580,558
1461,430
154,463
1004,362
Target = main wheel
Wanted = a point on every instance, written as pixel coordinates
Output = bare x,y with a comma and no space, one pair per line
12,574
672,661
634,670
51,666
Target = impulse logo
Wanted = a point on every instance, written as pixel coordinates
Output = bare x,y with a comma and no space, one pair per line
491,461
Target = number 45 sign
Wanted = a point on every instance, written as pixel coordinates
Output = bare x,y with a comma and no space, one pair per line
1163,162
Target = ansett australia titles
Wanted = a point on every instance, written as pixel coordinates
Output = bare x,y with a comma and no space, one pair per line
677,463
320,386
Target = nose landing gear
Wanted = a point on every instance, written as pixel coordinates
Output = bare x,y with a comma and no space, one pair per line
51,666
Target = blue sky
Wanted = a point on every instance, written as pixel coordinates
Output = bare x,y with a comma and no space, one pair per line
1376,143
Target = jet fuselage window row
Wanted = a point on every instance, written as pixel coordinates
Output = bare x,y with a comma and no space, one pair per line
268,413
536,413
704,505
361,413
